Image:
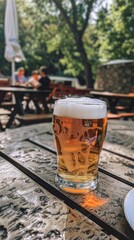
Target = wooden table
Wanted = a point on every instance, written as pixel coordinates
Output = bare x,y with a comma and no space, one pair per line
114,98
31,205
19,93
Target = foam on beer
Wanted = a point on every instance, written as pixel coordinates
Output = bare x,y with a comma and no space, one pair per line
81,108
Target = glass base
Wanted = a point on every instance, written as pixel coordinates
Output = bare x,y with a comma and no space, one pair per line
76,187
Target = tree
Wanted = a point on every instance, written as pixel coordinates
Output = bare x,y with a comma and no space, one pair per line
61,35
116,31
46,37
36,28
76,15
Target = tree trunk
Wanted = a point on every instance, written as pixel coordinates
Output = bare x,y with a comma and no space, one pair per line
88,74
87,65
85,61
78,34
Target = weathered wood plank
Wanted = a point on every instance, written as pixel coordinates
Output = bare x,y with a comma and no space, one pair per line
120,142
111,191
28,119
19,134
118,165
120,125
27,211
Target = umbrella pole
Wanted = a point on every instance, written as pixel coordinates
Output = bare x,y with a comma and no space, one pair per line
13,79
13,71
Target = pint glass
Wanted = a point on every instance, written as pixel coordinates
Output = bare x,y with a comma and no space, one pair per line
79,126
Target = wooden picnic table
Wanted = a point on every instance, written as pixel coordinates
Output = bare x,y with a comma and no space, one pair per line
33,207
114,98
19,93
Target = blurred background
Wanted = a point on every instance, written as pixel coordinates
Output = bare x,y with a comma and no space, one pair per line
73,38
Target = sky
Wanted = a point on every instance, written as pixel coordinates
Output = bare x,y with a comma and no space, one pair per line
107,2
104,3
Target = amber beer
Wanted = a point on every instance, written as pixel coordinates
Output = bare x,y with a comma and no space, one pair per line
79,126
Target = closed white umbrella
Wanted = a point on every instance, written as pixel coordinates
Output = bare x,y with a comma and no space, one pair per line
13,52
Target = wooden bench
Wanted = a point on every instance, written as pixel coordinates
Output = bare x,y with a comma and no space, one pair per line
7,102
4,112
7,105
120,108
4,115
113,116
127,115
28,119
82,92
64,91
4,82
59,92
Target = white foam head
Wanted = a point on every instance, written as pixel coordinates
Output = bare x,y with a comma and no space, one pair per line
81,108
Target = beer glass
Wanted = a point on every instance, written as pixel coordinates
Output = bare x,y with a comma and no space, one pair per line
79,126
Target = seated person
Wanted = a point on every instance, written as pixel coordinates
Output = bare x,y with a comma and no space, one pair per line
44,83
44,80
34,79
20,77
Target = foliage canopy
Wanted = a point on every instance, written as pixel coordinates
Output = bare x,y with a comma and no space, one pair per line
62,35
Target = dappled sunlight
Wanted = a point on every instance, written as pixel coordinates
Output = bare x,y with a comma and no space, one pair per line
92,200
